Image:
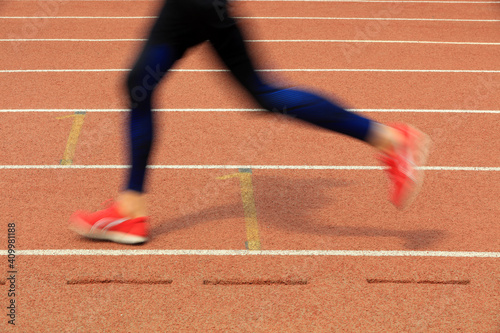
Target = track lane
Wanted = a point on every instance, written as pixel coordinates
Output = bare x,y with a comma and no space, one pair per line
339,297
254,8
217,90
296,209
336,297
119,55
235,138
67,192
267,30
350,209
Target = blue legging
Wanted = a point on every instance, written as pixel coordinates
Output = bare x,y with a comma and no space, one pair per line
157,58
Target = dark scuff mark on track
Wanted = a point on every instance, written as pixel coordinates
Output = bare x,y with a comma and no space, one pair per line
117,281
442,282
259,282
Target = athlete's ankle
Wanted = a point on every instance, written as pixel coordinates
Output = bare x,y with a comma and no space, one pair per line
384,138
132,204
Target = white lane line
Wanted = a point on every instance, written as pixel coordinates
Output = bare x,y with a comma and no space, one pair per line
335,253
252,110
365,41
374,1
66,70
256,18
260,167
72,40
78,17
425,110
253,41
261,70
126,110
362,19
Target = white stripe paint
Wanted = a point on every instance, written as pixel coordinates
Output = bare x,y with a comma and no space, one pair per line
72,40
426,110
66,70
365,41
335,253
112,224
101,221
374,1
127,110
256,167
362,19
252,110
78,17
255,18
254,41
262,70
362,1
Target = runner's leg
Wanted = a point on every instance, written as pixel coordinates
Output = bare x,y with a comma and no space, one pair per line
154,62
300,104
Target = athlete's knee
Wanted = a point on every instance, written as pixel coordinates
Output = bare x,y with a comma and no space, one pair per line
141,84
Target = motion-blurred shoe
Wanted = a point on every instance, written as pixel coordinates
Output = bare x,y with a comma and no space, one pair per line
109,224
403,165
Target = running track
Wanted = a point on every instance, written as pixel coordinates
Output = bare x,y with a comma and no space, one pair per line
334,255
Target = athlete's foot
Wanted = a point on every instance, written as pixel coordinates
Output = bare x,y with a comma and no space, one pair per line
126,224
403,155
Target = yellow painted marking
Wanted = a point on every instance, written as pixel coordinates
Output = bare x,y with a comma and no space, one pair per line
252,226
69,152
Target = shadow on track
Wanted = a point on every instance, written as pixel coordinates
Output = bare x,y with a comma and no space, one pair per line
298,206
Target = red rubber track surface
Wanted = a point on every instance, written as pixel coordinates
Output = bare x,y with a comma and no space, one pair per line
343,210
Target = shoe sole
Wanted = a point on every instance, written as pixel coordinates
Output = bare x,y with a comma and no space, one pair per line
83,229
424,144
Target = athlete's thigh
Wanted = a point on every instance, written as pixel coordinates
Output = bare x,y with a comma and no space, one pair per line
214,13
231,49
177,25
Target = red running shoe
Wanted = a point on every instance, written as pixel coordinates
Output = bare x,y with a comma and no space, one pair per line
403,165
109,224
